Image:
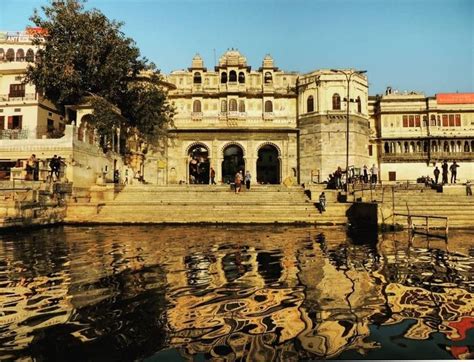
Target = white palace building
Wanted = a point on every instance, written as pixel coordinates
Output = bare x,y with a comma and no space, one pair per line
281,126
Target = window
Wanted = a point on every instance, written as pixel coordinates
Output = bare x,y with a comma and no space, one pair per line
197,106
241,106
386,148
232,105
457,120
310,104
411,121
15,122
451,120
2,122
241,77
232,76
2,54
30,55
336,102
405,121
197,78
223,106
433,120
268,107
392,176
445,120
370,150
10,55
417,121
17,90
20,55
268,77
223,77
359,105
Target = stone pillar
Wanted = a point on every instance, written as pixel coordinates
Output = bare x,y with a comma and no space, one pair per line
184,175
218,169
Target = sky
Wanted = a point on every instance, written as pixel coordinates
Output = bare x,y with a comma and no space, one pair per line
413,45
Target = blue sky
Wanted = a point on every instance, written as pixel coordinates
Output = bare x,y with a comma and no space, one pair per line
421,45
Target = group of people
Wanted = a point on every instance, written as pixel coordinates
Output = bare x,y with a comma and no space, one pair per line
335,179
239,178
445,167
33,168
198,172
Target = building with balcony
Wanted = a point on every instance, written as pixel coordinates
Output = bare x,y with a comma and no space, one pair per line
415,133
279,125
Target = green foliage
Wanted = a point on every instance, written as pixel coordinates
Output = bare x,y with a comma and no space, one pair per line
85,54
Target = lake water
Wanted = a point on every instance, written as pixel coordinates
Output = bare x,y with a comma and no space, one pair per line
259,293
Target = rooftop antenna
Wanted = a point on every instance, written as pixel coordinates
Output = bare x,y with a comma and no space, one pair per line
215,64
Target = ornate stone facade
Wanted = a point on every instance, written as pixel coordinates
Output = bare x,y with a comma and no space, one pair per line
258,120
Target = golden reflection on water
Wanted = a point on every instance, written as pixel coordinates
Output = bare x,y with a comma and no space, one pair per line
256,293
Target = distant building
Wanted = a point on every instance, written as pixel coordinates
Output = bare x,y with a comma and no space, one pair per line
415,133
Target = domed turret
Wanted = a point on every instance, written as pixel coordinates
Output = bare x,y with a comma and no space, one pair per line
197,62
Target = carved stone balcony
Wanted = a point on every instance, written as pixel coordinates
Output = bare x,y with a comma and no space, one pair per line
196,116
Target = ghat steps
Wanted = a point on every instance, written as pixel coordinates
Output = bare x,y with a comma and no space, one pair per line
203,203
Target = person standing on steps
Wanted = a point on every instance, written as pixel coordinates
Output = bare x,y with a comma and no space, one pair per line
436,173
444,167
248,178
213,176
322,202
468,188
454,172
238,182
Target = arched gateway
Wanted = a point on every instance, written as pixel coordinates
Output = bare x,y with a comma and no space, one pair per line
198,164
233,162
268,165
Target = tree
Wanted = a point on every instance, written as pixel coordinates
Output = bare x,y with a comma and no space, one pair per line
83,55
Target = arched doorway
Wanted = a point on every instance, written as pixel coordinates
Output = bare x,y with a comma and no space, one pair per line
233,163
198,164
268,165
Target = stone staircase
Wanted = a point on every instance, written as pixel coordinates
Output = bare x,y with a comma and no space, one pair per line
424,201
203,203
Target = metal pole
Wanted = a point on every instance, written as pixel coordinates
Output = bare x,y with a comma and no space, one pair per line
348,78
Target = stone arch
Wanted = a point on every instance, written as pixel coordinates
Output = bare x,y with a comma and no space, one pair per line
268,163
20,55
233,161
198,163
194,144
30,55
267,143
233,143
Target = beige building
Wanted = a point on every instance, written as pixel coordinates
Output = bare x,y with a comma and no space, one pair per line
31,124
278,125
282,127
414,134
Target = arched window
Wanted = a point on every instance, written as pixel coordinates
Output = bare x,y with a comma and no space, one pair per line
446,146
412,147
20,55
197,78
425,146
472,146
418,146
30,55
386,147
268,106
336,102
241,77
197,106
10,55
310,104
405,146
232,76
241,106
466,146
359,105
223,106
268,77
223,77
2,54
232,105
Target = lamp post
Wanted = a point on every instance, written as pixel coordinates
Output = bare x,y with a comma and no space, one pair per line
348,76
